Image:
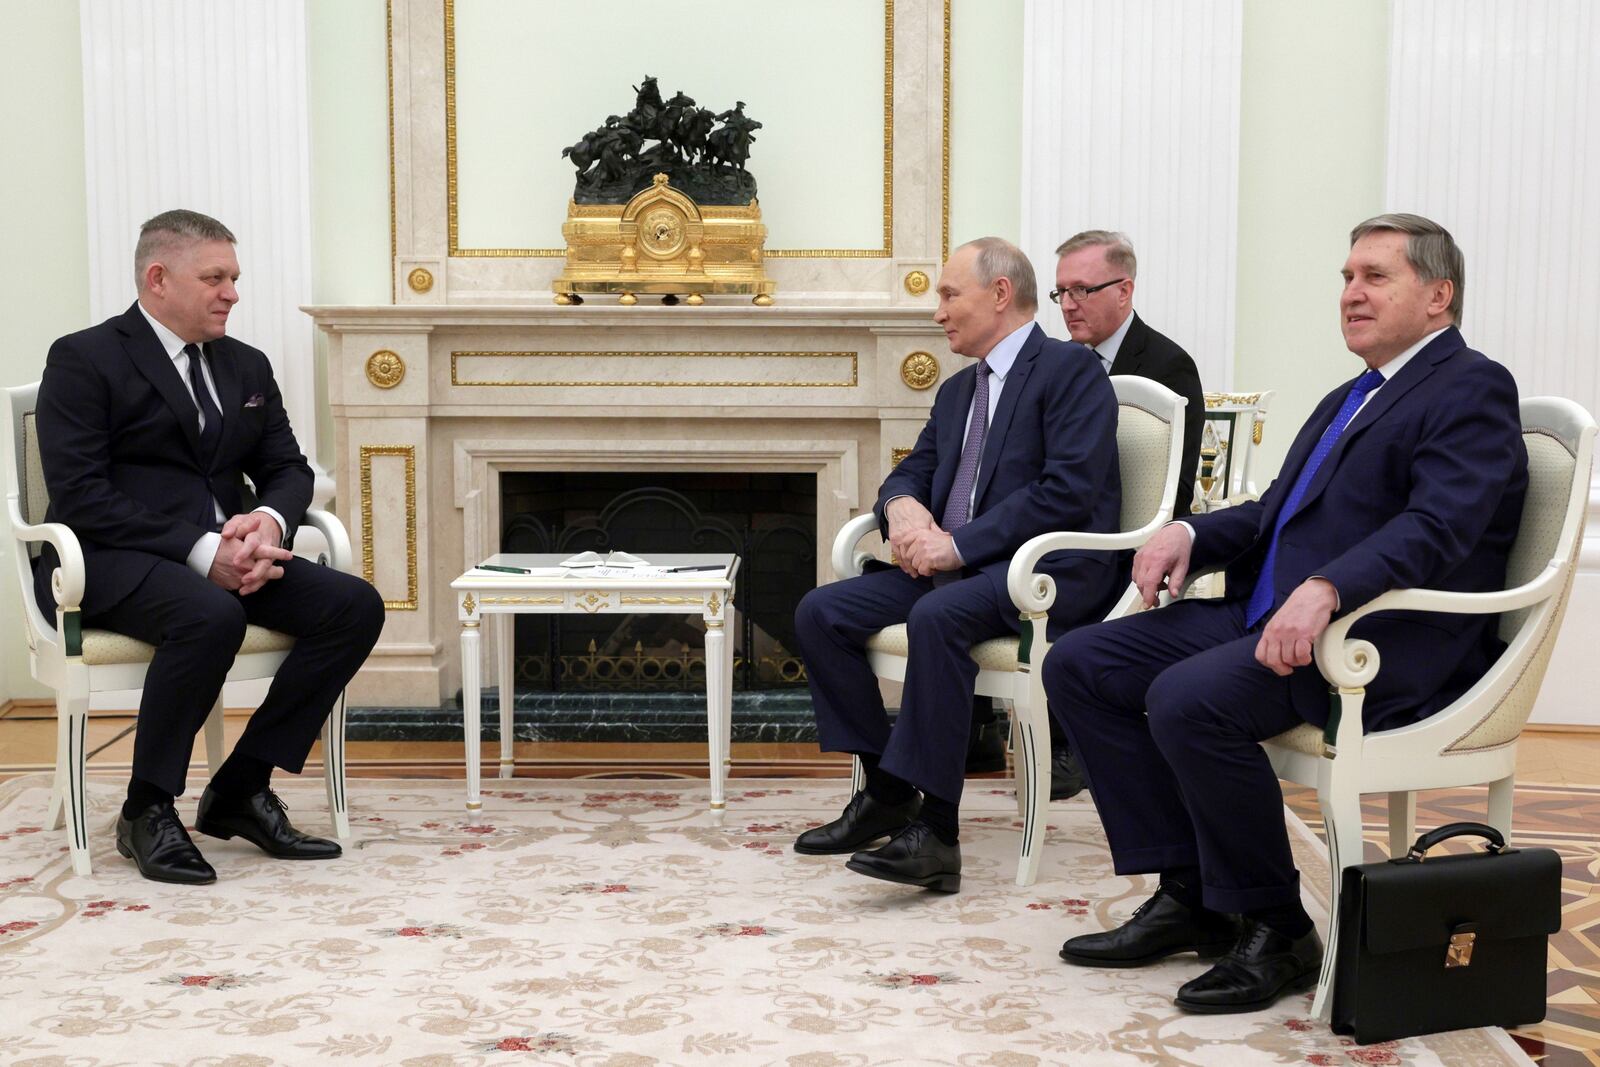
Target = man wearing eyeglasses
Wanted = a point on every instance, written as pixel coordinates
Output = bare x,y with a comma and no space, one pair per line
1094,287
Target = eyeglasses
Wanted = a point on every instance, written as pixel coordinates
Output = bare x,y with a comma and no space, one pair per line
1078,292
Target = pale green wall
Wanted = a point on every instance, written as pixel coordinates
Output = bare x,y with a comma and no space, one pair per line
985,120
349,103
1311,164
44,286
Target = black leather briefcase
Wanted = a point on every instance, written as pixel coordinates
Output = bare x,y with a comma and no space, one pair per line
1447,942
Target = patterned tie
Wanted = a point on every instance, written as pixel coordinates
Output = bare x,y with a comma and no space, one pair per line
211,432
1262,596
958,507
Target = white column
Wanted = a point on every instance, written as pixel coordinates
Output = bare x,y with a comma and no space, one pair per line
203,106
1494,132
1131,123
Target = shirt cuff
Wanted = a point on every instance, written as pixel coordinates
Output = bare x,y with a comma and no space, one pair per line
1337,599
961,561
204,553
283,527
1186,526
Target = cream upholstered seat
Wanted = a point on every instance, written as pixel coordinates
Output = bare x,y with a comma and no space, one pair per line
1149,446
1473,741
78,662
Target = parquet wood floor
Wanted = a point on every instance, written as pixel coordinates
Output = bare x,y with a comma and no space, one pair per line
1557,805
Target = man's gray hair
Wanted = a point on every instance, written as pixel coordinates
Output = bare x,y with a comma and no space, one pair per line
1119,250
1430,250
173,230
999,258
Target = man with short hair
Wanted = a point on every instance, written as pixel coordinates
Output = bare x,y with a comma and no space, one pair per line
1412,475
147,425
1019,444
1095,277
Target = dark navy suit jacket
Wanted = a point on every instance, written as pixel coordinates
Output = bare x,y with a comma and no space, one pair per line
119,438
1423,489
1049,463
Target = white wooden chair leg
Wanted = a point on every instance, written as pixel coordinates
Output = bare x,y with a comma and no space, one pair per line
1500,794
1402,822
72,725
213,731
1033,772
58,798
333,769
858,777
1341,816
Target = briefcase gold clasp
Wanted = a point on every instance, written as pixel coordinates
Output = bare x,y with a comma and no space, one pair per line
1459,952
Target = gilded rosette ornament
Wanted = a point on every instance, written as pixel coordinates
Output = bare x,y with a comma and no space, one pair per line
385,369
919,370
420,280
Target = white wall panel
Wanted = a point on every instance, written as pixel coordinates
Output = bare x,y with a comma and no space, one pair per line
1131,122
203,105
1494,131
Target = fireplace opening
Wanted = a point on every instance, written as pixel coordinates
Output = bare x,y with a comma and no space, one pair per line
769,520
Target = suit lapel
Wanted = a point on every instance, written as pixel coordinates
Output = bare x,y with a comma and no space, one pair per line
152,361
994,440
1408,378
1130,355
230,392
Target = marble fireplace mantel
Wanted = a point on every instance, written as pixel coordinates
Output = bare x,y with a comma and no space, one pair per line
432,403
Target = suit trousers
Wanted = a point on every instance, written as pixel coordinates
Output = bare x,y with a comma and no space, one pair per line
197,627
1165,710
928,743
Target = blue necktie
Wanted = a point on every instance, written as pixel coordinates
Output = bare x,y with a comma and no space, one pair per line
958,506
211,432
1262,596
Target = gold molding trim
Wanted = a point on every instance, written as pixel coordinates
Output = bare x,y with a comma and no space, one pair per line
1216,400
420,280
553,599
455,378
662,600
944,162
469,605
409,452
452,184
385,369
919,370
714,605
591,601
917,283
896,455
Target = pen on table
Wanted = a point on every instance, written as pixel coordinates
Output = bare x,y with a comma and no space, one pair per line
699,567
503,570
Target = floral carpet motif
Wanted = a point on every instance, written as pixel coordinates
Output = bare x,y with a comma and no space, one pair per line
606,924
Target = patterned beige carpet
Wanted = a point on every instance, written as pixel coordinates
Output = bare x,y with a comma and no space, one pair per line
604,924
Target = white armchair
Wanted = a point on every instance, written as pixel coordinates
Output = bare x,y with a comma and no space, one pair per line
1473,741
1149,448
78,662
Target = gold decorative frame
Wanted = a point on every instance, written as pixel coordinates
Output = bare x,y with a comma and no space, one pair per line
850,384
452,187
368,568
896,455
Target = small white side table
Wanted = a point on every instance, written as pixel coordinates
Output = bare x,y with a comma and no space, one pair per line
546,590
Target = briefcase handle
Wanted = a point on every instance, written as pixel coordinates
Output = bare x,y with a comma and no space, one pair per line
1497,841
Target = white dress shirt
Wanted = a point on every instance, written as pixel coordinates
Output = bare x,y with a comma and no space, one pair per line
1107,350
205,549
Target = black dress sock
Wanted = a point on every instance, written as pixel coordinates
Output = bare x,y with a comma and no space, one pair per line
1183,885
1290,920
141,795
882,786
942,817
241,776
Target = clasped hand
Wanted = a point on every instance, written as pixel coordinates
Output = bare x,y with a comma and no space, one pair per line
249,555
920,546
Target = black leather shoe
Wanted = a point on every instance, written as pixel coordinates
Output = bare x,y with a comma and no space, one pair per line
986,748
1066,777
263,821
914,856
1162,926
863,822
1261,967
156,840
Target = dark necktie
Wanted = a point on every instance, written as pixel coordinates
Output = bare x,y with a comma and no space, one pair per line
1262,596
958,506
211,432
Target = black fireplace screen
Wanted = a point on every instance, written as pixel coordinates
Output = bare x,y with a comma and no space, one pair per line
769,520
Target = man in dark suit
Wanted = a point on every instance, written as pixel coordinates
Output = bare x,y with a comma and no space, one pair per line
147,423
1413,475
1021,443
